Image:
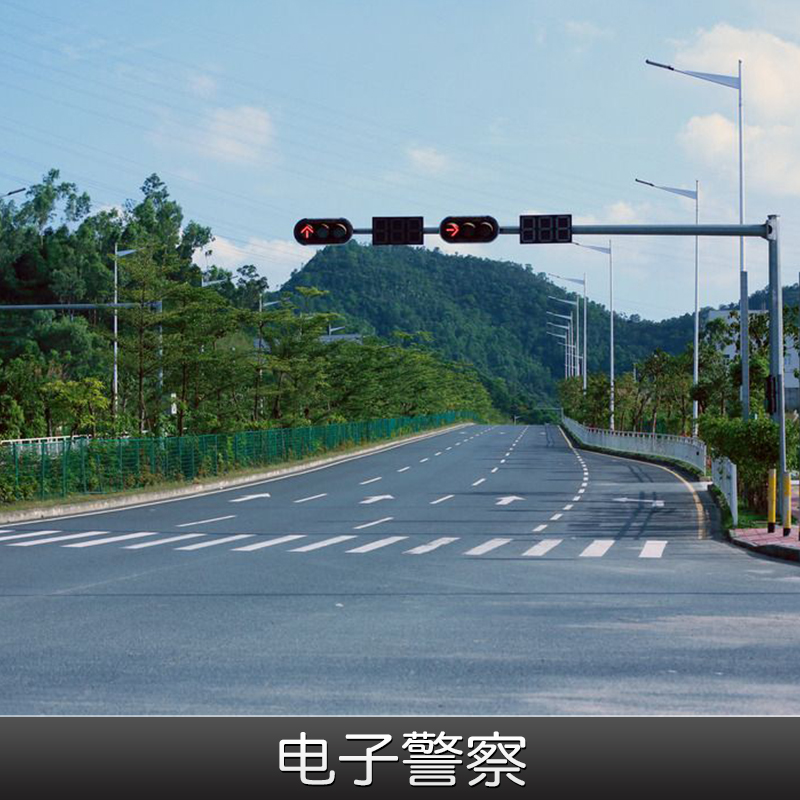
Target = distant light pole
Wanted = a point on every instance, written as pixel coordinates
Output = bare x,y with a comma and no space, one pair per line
692,195
607,251
733,82
117,255
581,282
573,364
14,191
563,338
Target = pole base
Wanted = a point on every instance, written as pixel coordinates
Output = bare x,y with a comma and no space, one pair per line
770,527
787,531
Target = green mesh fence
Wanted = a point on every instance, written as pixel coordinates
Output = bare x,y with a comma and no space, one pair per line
41,470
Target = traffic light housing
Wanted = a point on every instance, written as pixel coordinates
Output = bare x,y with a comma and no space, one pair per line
545,228
397,230
323,231
471,230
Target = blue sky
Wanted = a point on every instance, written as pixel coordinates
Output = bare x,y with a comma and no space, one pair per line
259,113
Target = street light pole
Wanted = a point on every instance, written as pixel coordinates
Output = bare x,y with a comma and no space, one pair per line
115,390
692,195
581,282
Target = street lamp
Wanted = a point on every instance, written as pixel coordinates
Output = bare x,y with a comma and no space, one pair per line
581,282
573,364
577,326
733,82
692,195
563,338
14,191
607,251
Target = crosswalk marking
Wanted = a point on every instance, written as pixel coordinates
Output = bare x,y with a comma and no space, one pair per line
110,539
324,543
436,543
541,548
653,549
368,548
26,535
168,540
248,548
492,544
214,542
58,539
598,548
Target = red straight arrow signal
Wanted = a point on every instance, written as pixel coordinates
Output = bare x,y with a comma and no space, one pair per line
306,231
452,229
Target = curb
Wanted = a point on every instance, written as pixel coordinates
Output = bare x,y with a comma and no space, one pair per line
189,491
769,550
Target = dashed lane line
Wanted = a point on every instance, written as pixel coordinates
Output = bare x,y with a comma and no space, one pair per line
539,528
313,497
205,521
442,499
371,480
555,517
370,524
479,481
404,469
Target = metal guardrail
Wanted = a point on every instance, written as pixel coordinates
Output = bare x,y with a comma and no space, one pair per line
723,473
686,449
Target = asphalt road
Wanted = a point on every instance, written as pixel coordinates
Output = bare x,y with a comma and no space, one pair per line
487,570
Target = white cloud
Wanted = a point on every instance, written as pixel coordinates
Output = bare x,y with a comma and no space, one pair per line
202,85
427,160
241,134
586,31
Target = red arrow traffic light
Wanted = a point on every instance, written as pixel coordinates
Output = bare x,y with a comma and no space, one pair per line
323,231
469,229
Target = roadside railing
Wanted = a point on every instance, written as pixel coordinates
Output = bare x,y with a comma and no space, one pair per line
723,473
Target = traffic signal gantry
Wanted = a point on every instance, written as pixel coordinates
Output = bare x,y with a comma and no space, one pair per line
532,229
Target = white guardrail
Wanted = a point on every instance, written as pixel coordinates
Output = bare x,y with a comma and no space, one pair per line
686,449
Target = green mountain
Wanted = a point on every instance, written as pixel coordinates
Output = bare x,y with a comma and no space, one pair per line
490,313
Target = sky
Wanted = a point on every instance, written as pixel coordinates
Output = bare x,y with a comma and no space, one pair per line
257,113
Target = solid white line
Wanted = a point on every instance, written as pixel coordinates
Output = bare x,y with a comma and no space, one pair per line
371,480
313,497
27,535
368,548
214,542
324,543
205,521
58,539
370,524
539,528
653,549
479,482
541,548
171,539
268,543
426,548
110,539
404,469
567,507
555,517
599,547
423,460
442,499
492,544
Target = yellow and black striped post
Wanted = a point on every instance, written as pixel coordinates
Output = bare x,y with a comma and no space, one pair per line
772,481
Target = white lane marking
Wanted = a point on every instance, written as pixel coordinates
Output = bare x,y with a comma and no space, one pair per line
502,461
26,535
539,528
214,542
370,524
249,497
377,498
324,543
495,470
653,549
248,548
492,544
426,548
205,521
448,448
504,501
479,482
423,460
442,499
171,539
508,454
555,517
581,490
313,497
567,507
438,454
598,548
111,539
371,480
368,548
458,443
404,469
541,548
58,539
576,498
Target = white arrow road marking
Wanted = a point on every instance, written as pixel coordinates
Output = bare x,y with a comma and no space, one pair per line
324,543
268,543
371,480
171,539
492,544
598,548
442,499
368,548
542,547
250,497
205,521
654,503
653,549
313,497
58,539
376,499
370,524
215,542
426,548
110,539
504,501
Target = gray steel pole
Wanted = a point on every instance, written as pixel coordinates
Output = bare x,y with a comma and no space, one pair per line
696,365
585,336
115,389
744,300
611,348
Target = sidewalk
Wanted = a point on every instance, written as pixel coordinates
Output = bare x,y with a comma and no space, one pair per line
775,544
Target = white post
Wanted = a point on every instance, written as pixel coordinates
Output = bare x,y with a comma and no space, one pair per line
696,366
